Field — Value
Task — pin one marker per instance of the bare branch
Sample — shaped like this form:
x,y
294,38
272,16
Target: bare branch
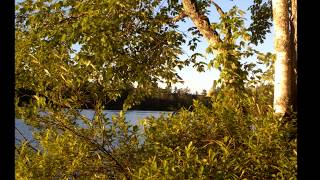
x,y
26,140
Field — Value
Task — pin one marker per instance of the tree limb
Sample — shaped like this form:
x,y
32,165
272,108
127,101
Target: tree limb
x,y
220,11
222,14
201,22
179,17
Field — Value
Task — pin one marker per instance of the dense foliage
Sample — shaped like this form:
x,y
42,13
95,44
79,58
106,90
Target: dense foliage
x,y
261,15
133,43
220,142
105,46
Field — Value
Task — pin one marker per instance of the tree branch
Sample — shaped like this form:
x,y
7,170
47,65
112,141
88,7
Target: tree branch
x,y
222,14
220,11
179,17
201,22
26,140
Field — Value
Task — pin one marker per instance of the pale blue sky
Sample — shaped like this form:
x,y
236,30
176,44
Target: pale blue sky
x,y
197,81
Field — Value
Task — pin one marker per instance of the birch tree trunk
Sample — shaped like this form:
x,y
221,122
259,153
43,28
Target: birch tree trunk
x,y
284,62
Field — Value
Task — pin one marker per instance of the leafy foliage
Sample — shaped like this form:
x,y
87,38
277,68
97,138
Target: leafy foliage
x,y
120,43
229,52
261,15
97,148
219,143
132,43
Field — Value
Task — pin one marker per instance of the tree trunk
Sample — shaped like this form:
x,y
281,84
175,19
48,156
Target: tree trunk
x,y
284,62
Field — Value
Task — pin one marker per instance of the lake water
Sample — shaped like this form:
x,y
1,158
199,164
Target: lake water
x,y
132,116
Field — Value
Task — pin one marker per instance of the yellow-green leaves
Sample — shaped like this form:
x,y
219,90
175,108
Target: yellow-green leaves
x,y
63,38
118,43
217,142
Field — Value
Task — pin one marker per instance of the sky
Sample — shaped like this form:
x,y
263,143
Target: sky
x,y
197,81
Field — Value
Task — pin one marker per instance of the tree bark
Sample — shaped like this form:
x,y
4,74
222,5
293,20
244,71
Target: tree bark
x,y
201,22
284,62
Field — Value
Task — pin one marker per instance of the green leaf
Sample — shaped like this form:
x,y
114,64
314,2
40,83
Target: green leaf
x,y
63,38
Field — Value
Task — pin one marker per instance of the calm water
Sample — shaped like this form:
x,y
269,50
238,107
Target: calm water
x,y
132,116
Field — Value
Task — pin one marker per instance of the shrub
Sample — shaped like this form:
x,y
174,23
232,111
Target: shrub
x,y
236,138
219,143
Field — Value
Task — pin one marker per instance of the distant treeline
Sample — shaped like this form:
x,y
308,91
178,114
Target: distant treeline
x,y
165,100
161,100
